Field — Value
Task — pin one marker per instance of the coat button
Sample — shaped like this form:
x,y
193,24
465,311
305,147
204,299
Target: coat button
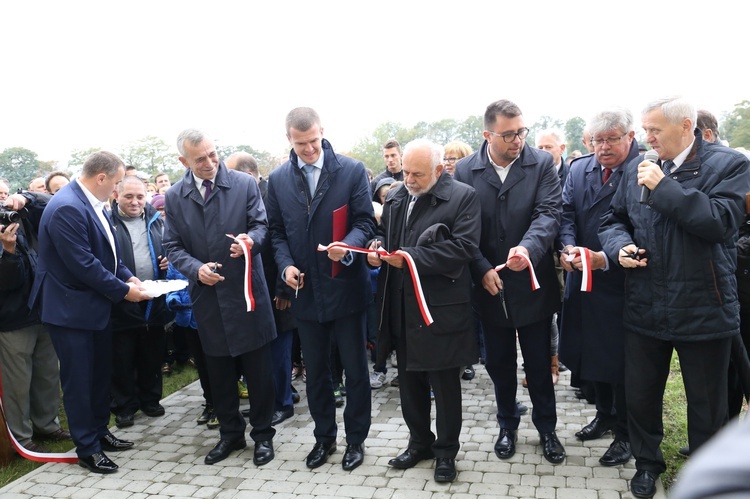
x,y
502,198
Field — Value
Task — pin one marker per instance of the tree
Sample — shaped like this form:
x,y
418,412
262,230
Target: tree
x,y
19,166
78,157
736,126
574,133
266,161
544,123
151,155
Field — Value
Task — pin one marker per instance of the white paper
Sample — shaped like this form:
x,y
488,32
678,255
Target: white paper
x,y
162,287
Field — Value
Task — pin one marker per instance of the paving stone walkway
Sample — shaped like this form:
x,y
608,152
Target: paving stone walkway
x,y
167,461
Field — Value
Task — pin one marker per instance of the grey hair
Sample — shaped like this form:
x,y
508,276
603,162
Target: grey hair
x,y
302,119
191,135
675,109
436,151
130,179
102,162
555,133
604,121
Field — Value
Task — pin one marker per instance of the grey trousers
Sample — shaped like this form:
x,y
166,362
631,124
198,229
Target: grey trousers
x,y
31,382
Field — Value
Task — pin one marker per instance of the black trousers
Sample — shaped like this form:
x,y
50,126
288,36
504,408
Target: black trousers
x,y
136,368
350,336
736,393
704,366
611,405
222,372
502,366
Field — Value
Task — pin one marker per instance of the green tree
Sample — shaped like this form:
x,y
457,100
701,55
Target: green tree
x,y
266,161
544,123
574,133
19,166
78,157
736,126
151,155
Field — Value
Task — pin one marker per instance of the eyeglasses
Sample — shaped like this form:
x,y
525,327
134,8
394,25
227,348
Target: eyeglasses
x,y
511,136
612,141
452,159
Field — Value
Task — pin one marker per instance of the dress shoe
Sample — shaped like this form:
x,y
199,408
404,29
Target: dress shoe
x,y
295,396
223,448
595,429
124,420
263,453
353,456
153,411
684,451
445,469
643,484
98,463
617,454
208,412
319,455
469,373
58,435
552,449
505,446
522,409
111,443
409,458
281,416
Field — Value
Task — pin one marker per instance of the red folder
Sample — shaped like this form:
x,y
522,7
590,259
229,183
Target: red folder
x,y
339,233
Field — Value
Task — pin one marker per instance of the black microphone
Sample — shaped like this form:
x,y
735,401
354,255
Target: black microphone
x,y
653,157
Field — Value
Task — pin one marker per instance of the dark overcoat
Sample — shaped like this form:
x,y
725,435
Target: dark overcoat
x,y
195,234
524,210
441,236
591,340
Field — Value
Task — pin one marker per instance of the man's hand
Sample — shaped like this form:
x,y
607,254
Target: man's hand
x,y
236,249
282,303
15,202
135,293
8,237
294,278
649,174
163,262
517,264
566,252
208,274
576,263
336,253
492,282
373,258
394,260
624,256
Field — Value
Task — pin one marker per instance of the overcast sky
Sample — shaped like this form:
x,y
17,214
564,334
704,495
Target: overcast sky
x,y
80,74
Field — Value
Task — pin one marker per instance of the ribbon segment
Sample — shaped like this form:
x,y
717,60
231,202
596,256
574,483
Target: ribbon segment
x,y
532,274
587,279
247,286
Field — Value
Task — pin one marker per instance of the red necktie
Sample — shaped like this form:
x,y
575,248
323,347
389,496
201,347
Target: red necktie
x,y
606,174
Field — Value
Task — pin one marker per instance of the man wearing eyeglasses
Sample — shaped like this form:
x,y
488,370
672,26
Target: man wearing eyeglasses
x,y
520,197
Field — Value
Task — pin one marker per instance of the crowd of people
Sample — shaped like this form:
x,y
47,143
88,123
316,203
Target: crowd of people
x,y
603,264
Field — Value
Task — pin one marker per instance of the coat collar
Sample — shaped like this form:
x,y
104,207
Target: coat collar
x,y
330,161
189,189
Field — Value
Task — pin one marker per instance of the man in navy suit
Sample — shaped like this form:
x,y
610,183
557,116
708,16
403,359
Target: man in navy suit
x,y
79,278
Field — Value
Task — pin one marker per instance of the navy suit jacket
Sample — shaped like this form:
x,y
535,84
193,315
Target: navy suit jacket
x,y
77,279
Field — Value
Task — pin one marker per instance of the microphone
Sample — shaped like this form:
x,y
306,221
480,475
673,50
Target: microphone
x,y
653,157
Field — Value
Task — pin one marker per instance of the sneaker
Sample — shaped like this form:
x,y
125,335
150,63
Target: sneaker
x,y
213,423
468,373
394,363
377,379
338,397
242,389
394,381
206,415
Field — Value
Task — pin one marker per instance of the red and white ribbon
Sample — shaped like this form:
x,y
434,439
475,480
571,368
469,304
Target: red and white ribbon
x,y
40,457
587,281
532,274
247,285
421,300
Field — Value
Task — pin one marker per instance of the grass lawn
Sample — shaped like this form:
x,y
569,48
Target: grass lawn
x,y
181,376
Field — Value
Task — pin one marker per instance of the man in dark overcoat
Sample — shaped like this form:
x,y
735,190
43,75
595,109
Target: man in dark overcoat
x,y
520,195
436,221
207,204
592,332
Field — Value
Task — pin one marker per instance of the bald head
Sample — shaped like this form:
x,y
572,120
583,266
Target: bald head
x,y
242,162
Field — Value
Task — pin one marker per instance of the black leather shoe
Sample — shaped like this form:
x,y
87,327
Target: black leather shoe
x,y
409,458
206,415
445,469
111,443
643,484
595,429
353,457
223,448
98,463
153,411
617,454
469,373
505,446
553,450
295,396
684,451
522,409
281,416
263,453
319,455
124,420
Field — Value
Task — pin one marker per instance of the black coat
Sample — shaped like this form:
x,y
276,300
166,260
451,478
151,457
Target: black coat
x,y
591,339
441,236
688,290
522,211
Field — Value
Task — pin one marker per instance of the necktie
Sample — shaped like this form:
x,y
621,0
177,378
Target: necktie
x,y
606,174
310,176
667,167
207,185
411,206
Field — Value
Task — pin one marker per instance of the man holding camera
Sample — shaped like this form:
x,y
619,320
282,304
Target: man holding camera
x,y
30,374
